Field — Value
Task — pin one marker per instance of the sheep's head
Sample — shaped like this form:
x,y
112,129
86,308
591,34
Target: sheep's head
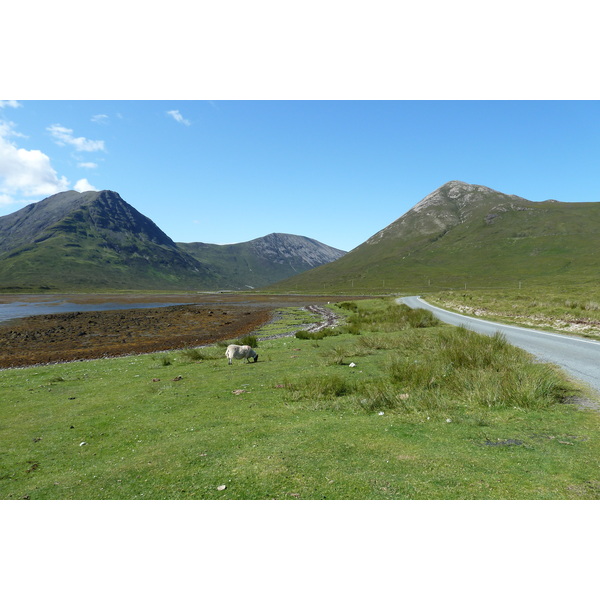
x,y
255,357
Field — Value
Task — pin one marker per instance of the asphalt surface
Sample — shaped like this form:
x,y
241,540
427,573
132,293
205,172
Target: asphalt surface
x,y
579,357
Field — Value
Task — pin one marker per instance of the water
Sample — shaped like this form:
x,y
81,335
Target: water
x,y
18,310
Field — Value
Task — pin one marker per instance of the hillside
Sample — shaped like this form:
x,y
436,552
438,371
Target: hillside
x,y
264,260
92,240
468,235
96,240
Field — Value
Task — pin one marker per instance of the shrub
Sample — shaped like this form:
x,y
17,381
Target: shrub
x,y
304,335
352,306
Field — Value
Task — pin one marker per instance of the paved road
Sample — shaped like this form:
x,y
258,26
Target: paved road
x,y
577,356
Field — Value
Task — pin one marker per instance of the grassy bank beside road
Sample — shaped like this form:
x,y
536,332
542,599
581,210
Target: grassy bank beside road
x,y
425,412
573,310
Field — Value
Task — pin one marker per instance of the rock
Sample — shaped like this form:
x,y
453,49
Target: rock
x,y
222,487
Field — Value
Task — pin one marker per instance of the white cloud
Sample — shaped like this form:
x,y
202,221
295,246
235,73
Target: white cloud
x,y
103,119
25,172
87,165
83,185
9,103
178,117
64,135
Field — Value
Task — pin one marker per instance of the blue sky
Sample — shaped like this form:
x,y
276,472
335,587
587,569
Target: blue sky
x,y
337,171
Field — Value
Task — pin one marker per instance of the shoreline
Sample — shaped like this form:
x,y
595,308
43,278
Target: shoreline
x,y
74,336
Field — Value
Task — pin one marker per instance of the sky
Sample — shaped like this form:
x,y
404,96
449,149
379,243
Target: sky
x,y
228,171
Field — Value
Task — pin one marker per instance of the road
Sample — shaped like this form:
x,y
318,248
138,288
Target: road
x,y
579,357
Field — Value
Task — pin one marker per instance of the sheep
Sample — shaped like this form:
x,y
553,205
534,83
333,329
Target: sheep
x,y
235,351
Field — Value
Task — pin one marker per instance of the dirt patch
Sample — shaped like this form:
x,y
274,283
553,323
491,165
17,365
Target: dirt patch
x,y
100,334
328,318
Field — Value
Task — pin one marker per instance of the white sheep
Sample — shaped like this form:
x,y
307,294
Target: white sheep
x,y
235,351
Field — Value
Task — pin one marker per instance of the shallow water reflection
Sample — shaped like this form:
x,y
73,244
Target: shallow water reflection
x,y
18,310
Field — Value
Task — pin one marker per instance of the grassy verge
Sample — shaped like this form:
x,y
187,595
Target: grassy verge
x,y
401,408
572,310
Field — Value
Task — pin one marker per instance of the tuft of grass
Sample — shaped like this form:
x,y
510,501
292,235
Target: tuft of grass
x,y
464,349
316,335
201,354
421,373
323,387
248,340
378,342
338,355
380,396
164,359
194,354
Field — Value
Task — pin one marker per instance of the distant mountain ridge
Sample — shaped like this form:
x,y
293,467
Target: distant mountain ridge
x,y
463,234
264,260
96,240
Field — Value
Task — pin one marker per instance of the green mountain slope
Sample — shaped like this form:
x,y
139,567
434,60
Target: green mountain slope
x,y
464,234
264,260
92,240
95,240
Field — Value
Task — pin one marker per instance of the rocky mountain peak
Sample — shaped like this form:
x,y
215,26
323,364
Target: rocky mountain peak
x,y
459,194
448,206
286,248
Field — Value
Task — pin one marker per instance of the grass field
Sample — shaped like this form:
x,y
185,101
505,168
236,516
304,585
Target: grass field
x,y
426,412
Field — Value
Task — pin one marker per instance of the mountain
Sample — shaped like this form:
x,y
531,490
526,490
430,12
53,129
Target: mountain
x,y
92,240
469,235
264,260
95,240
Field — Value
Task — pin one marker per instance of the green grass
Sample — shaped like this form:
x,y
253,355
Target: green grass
x,y
573,309
425,413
